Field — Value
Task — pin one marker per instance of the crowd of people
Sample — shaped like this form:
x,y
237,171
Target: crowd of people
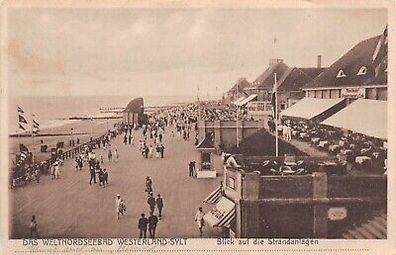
x,y
359,151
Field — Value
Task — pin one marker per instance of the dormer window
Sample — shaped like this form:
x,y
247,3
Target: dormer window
x,y
362,70
341,74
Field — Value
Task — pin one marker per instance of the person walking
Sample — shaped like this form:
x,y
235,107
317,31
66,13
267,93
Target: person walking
x,y
56,170
106,176
151,202
199,220
116,155
101,178
149,185
120,206
33,227
110,155
92,172
129,138
162,149
160,205
142,226
152,224
190,169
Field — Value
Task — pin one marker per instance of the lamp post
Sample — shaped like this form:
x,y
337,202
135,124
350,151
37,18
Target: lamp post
x,y
72,138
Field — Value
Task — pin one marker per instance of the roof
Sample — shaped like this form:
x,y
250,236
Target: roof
x,y
312,71
136,105
246,100
309,108
207,143
289,78
293,79
266,79
364,116
241,84
360,55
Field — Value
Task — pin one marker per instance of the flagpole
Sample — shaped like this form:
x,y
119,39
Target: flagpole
x,y
32,139
276,116
237,118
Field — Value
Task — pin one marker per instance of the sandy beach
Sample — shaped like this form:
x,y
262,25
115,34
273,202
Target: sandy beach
x,y
87,129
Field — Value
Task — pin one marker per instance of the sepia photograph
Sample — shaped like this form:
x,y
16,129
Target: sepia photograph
x,y
195,123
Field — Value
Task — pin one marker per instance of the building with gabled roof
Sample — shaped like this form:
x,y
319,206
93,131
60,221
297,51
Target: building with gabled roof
x,y
237,91
290,80
360,73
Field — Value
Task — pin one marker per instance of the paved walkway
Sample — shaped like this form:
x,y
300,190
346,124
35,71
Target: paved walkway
x,y
70,207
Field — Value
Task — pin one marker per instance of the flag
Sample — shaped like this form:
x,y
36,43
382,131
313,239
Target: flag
x,y
36,127
22,119
22,127
20,110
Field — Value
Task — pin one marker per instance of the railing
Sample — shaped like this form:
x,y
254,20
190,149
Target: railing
x,y
45,165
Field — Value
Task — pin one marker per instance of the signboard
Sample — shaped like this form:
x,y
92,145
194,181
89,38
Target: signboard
x,y
231,182
337,213
222,208
353,93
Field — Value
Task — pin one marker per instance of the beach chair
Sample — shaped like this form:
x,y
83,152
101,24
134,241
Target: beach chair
x,y
300,171
286,170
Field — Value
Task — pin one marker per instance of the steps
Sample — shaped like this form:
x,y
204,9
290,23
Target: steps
x,y
374,228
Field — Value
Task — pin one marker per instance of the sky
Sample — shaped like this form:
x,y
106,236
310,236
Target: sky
x,y
152,52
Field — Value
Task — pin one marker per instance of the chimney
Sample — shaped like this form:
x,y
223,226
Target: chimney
x,y
274,61
319,61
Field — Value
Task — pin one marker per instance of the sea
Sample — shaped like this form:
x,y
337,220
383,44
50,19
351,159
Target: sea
x,y
54,111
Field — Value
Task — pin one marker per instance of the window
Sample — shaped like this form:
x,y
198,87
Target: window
x,y
282,106
362,70
341,74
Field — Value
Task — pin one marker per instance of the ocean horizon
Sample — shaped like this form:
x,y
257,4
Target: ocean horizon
x,y
53,111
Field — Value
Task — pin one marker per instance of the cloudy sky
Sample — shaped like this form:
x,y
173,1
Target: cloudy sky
x,y
171,51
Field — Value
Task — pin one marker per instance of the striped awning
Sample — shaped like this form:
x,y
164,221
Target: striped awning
x,y
213,197
222,214
227,219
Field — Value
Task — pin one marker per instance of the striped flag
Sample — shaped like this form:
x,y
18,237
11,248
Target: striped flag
x,y
20,110
21,119
36,127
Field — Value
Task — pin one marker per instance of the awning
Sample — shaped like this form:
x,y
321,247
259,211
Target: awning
x,y
364,116
206,143
222,214
236,102
246,100
213,197
309,108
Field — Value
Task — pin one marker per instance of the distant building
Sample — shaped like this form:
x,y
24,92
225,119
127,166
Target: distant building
x,y
133,112
289,80
360,73
237,91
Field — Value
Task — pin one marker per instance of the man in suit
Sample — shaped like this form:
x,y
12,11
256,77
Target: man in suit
x,y
190,169
160,205
92,172
142,226
151,202
152,223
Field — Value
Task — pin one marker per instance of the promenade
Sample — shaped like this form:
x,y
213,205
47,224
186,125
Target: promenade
x,y
69,207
